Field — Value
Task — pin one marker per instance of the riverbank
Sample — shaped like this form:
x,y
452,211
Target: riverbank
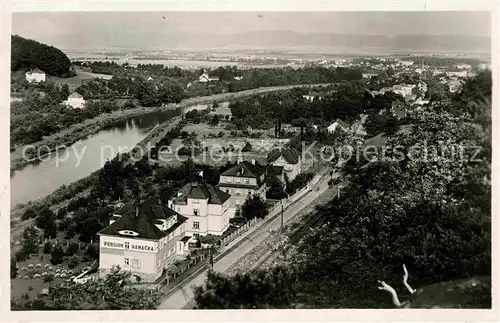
x,y
89,127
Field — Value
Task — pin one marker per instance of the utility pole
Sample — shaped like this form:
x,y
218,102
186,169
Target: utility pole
x,y
282,211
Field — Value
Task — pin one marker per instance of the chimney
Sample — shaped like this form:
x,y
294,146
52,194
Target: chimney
x,y
159,201
137,211
253,161
240,159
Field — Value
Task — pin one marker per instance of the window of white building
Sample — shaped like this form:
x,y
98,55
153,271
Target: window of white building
x,y
196,225
127,245
136,263
196,212
127,262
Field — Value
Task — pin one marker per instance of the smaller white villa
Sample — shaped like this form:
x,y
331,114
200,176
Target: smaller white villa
x,y
205,78
35,76
75,100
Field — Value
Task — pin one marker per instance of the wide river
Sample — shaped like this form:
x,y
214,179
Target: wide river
x,y
84,157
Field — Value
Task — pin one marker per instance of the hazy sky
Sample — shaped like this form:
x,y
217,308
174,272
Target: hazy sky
x,y
92,29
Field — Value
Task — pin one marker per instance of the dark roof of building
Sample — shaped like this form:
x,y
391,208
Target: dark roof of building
x,y
201,191
245,169
142,219
291,155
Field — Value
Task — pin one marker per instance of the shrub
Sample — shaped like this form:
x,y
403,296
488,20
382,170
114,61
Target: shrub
x,y
73,261
47,248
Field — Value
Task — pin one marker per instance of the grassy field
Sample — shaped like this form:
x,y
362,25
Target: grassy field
x,y
75,81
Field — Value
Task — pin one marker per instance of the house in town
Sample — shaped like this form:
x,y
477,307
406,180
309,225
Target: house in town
x,y
407,63
368,75
205,78
75,100
338,124
243,180
144,238
35,76
150,79
461,73
463,66
405,90
286,162
238,78
207,209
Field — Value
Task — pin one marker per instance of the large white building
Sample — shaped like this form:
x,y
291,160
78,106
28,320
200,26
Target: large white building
x,y
75,100
338,124
34,76
207,209
243,180
143,238
285,161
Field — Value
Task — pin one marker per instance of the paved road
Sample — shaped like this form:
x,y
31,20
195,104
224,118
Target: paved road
x,y
184,296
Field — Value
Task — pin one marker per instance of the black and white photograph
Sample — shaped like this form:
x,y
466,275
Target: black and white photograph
x,y
250,160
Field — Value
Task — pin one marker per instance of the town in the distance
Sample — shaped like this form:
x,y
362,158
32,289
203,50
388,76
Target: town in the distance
x,y
248,179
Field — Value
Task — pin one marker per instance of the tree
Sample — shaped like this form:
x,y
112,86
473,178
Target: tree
x,y
13,268
391,126
30,241
247,147
71,249
57,255
47,248
273,288
276,190
73,261
254,207
215,120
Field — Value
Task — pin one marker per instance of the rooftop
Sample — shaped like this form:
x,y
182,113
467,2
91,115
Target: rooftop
x,y
245,169
201,191
142,219
291,155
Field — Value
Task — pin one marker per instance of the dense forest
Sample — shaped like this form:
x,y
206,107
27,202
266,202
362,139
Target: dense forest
x,y
28,54
431,213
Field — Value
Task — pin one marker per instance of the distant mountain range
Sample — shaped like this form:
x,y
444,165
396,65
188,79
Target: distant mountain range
x,y
294,40
286,40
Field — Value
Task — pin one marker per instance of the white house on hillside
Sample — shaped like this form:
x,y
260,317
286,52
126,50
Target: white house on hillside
x,y
35,76
338,124
75,100
207,209
204,78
